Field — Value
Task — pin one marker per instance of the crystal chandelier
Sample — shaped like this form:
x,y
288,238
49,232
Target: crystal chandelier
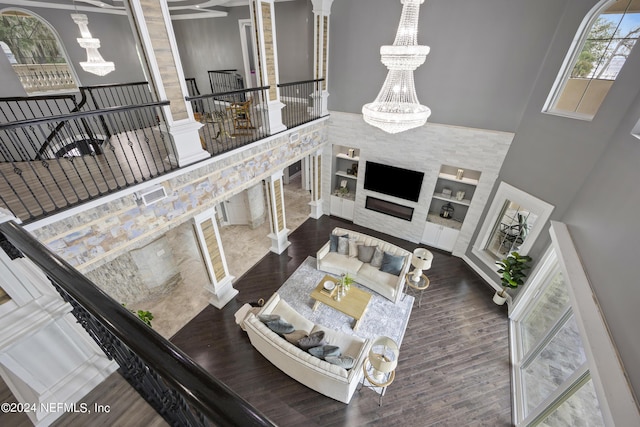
x,y
396,108
95,63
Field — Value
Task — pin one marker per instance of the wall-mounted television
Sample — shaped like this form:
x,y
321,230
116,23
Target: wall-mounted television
x,y
393,181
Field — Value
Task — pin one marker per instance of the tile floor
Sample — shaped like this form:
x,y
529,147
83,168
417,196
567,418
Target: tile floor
x,y
243,248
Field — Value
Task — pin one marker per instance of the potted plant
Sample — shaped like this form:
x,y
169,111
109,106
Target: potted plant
x,y
511,270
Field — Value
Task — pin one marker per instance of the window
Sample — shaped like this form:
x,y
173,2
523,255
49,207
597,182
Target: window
x,y
35,53
514,221
597,55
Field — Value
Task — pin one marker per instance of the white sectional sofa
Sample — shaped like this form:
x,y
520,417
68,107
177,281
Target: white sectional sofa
x,y
331,380
386,284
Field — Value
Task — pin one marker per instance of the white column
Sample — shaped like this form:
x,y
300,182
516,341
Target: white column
x,y
208,237
321,13
275,195
153,25
263,18
46,357
315,174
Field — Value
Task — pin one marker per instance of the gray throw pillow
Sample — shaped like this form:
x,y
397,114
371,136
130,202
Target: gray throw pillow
x,y
295,336
365,253
343,245
324,351
345,362
376,260
266,318
392,264
313,340
333,242
281,327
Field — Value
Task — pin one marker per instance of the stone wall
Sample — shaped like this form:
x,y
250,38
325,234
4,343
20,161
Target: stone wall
x,y
423,149
103,232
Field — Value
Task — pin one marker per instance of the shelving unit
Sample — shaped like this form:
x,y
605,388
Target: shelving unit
x,y
343,205
443,232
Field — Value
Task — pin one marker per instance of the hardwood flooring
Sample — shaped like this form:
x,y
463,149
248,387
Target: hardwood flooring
x,y
453,368
454,359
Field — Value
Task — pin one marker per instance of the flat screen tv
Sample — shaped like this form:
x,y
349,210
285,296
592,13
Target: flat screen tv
x,y
393,181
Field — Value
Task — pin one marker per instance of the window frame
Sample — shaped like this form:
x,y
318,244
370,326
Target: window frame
x,y
569,62
63,52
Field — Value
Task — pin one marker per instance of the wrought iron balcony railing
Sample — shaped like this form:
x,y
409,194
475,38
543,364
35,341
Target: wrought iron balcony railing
x,y
302,100
179,389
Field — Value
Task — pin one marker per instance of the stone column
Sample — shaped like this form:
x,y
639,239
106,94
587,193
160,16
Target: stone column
x,y
315,174
275,196
208,237
264,24
321,12
46,357
153,25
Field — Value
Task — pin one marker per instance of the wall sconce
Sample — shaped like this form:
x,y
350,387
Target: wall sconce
x,y
95,64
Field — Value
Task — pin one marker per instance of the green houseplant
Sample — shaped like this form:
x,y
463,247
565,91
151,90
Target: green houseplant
x,y
512,274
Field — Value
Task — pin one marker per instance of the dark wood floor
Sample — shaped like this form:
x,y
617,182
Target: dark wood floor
x,y
454,359
453,368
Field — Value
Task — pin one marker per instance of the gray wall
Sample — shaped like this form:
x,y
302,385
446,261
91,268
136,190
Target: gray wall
x,y
492,66
116,40
214,44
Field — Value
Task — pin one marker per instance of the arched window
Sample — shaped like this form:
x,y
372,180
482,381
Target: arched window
x,y
597,55
35,53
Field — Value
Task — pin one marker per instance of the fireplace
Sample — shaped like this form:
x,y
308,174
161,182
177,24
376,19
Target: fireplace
x,y
389,208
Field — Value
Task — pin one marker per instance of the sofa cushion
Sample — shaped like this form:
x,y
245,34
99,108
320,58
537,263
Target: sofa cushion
x,y
281,326
376,260
315,339
350,345
343,245
340,264
376,279
295,336
296,319
392,263
345,362
333,242
324,351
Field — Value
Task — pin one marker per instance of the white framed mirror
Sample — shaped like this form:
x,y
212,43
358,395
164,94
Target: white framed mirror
x,y
513,223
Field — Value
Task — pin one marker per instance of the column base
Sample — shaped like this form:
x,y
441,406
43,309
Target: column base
x,y
323,99
185,140
279,242
275,116
222,292
316,209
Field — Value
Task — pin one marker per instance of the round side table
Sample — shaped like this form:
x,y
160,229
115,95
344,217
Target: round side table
x,y
414,287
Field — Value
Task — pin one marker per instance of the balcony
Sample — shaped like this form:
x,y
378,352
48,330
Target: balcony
x,y
57,152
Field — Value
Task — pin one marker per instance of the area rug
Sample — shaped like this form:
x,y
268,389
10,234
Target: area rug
x,y
382,317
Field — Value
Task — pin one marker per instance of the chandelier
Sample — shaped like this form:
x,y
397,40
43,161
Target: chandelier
x,y
95,64
396,108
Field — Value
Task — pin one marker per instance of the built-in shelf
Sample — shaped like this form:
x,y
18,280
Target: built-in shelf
x,y
346,157
463,180
346,175
440,196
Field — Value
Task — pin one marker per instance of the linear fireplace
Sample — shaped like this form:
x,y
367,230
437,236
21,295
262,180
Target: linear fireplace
x,y
389,208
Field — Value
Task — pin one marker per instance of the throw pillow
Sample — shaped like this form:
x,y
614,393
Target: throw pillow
x,y
343,245
392,263
353,247
281,327
376,260
295,336
266,318
333,242
345,362
365,253
313,340
324,351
